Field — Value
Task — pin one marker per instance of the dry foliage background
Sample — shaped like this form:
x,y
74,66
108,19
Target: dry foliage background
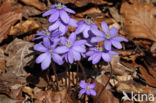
x,y
22,81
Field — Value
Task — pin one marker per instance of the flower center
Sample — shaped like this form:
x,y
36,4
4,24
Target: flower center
x,y
50,51
59,6
108,36
48,33
100,49
88,88
88,21
68,44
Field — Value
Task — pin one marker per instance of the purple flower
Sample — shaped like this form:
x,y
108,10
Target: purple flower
x,y
95,54
60,19
85,27
46,34
75,48
87,88
59,11
49,51
108,36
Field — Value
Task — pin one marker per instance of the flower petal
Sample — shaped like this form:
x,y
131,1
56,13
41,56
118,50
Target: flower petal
x,y
88,92
116,44
79,49
97,39
105,27
97,32
72,37
80,42
46,42
61,49
106,57
86,32
46,62
39,47
54,17
64,17
73,22
57,58
49,12
37,38
82,84
54,26
76,55
69,10
53,6
97,58
92,92
80,28
90,58
41,33
89,53
107,44
119,39
113,31
62,27
70,57
93,85
113,53
82,91
41,57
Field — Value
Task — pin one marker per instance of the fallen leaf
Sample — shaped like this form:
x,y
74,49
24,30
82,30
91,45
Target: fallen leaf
x,y
28,11
148,73
6,99
18,56
2,61
53,97
129,87
35,3
140,20
24,27
118,68
153,49
81,3
7,17
11,85
106,96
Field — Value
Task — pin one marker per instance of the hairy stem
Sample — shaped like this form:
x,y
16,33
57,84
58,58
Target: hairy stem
x,y
97,98
83,71
69,67
54,70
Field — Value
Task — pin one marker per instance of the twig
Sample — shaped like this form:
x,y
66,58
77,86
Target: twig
x,y
97,98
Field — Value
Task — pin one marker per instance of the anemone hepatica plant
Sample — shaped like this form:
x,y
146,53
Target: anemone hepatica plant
x,y
56,47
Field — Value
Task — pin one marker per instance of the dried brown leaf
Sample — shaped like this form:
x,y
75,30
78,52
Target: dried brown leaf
x,y
28,11
2,61
149,75
35,3
7,17
18,56
53,97
81,3
140,20
106,96
24,27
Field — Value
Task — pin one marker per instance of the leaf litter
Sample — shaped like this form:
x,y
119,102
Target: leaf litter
x,y
133,70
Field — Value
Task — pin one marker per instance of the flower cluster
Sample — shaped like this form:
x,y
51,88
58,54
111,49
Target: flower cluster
x,y
57,47
87,41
